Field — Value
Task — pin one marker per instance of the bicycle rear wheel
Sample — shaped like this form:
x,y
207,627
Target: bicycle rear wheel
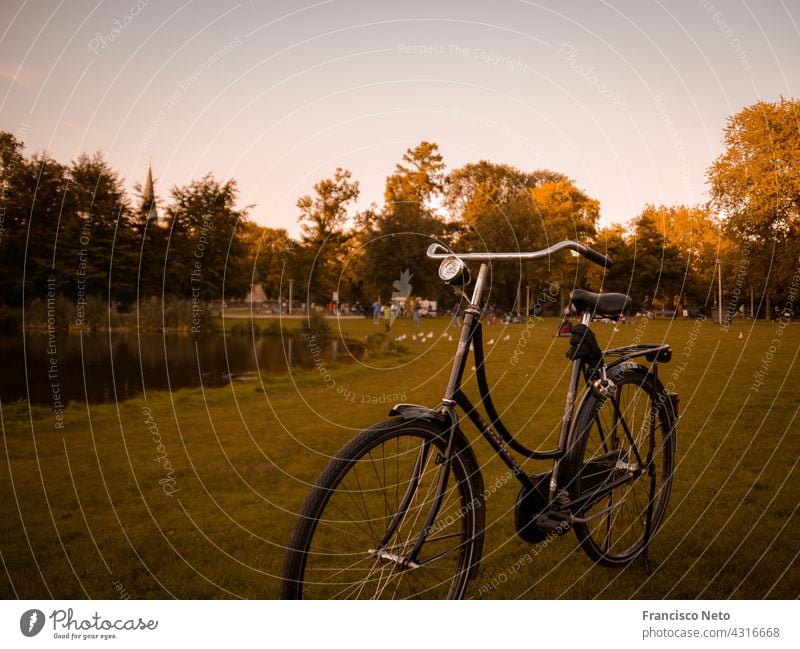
x,y
623,497
350,542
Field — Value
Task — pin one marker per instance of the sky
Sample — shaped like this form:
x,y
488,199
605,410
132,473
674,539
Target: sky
x,y
627,98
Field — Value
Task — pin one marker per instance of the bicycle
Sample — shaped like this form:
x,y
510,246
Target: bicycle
x,y
400,510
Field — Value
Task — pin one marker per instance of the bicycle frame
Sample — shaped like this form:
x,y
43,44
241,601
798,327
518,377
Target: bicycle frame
x,y
495,431
471,336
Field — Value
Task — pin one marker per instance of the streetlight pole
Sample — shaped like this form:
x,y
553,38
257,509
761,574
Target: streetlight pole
x,y
719,266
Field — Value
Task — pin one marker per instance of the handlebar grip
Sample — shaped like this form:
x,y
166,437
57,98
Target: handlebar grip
x,y
436,250
596,257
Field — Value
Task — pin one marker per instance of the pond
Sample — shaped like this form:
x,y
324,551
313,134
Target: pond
x,y
98,368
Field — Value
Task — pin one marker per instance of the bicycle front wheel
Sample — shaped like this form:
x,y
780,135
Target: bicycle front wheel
x,y
622,456
359,527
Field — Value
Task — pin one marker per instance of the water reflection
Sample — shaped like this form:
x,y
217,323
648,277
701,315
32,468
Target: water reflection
x,y
102,368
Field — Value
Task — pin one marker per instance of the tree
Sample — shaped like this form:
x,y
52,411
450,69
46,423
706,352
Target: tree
x,y
324,239
615,243
658,271
98,245
40,191
755,185
14,208
400,234
206,256
271,258
666,252
503,208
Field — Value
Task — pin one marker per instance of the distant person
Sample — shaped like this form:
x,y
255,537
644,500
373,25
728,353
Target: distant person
x,y
387,318
376,313
646,311
417,309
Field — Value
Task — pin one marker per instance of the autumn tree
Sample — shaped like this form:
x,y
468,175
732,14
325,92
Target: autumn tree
x,y
614,242
271,260
667,257
755,186
505,209
400,234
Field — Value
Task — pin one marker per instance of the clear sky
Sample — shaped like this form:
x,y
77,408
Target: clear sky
x,y
628,98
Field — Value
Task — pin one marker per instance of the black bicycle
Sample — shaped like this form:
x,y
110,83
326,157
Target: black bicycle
x,y
399,511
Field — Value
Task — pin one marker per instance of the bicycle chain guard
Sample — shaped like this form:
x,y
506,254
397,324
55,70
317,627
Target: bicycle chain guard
x,y
531,513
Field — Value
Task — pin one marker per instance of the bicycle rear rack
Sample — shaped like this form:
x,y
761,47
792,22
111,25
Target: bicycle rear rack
x,y
661,353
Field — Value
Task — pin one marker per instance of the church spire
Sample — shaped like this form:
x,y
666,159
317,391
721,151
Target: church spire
x,y
149,209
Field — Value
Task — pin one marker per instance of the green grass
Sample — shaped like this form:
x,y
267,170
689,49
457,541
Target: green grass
x,y
82,506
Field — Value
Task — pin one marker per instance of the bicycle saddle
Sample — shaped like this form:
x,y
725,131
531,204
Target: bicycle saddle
x,y
606,304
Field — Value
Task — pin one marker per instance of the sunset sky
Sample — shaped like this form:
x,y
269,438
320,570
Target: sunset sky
x,y
628,99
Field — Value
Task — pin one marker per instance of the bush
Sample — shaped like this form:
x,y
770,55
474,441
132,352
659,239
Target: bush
x,y
38,314
95,312
316,324
174,313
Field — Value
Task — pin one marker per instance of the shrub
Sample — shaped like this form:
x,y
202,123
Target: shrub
x,y
317,324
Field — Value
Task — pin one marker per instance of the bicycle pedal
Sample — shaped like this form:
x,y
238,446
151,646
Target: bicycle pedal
x,y
551,526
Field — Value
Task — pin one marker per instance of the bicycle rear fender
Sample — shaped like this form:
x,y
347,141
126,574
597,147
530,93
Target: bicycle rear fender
x,y
461,446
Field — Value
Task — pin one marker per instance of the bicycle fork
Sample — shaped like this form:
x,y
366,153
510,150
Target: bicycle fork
x,y
444,462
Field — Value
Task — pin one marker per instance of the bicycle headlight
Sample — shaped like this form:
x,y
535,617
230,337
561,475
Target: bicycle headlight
x,y
452,268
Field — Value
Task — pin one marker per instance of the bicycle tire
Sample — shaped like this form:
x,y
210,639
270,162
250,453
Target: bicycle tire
x,y
601,453
353,502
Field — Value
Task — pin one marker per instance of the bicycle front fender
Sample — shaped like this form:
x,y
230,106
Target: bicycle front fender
x,y
445,421
410,411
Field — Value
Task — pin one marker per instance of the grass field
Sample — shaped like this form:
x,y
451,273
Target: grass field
x,y
192,494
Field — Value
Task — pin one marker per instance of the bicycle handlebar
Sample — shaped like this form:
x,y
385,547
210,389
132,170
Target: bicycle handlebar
x,y
438,251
